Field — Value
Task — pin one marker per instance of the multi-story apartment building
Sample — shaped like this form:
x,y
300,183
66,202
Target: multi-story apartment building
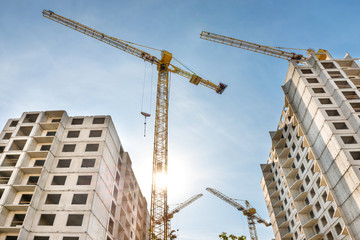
x,y
311,178
67,178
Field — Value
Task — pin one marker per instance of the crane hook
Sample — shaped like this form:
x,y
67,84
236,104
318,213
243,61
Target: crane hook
x,y
145,115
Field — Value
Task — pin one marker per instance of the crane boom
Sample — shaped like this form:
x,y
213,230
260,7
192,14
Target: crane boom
x,y
251,46
159,223
184,204
248,211
125,46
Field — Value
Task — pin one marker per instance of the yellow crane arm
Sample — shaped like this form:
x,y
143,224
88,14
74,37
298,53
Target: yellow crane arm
x,y
125,46
184,204
251,46
100,36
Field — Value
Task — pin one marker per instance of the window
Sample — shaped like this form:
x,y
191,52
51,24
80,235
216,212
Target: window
x,y
84,180
51,133
32,180
338,229
311,213
10,160
58,180
111,226
113,208
302,168
340,125
318,182
91,147
328,65
30,118
39,163
41,238
117,178
11,238
330,236
115,193
355,155
331,211
69,148
297,157
95,133
335,74
342,84
79,199
307,180
45,147
355,106
306,71
312,193
323,221
99,121
70,238
348,139
88,162
2,148
53,199
55,120
46,220
350,95
317,206
24,131
14,123
332,113
5,177
73,134
7,136
18,145
325,101
324,196
318,90
77,121
25,199
74,220
317,229
63,163
312,80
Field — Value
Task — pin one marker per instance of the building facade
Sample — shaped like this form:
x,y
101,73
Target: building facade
x,y
67,178
311,178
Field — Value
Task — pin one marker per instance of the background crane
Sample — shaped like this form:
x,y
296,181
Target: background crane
x,y
271,51
159,207
177,209
248,211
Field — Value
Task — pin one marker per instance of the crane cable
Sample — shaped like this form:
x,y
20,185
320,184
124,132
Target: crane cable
x,y
145,114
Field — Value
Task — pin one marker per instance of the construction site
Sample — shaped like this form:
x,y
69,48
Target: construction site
x,y
137,121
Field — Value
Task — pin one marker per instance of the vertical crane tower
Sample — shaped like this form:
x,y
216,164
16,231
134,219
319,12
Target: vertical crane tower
x,y
159,223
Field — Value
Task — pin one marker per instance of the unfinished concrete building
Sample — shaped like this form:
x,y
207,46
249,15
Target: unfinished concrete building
x,y
67,178
311,178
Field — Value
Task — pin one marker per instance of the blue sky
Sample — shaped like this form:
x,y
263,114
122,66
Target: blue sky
x,y
215,140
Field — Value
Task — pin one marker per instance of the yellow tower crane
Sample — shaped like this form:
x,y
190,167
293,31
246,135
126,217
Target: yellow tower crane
x,y
158,210
248,211
271,51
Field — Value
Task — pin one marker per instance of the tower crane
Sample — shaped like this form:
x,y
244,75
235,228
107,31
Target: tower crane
x,y
271,51
159,208
248,211
177,209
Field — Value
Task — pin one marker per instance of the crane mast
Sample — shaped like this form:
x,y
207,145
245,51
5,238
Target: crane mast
x,y
248,211
159,224
271,51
